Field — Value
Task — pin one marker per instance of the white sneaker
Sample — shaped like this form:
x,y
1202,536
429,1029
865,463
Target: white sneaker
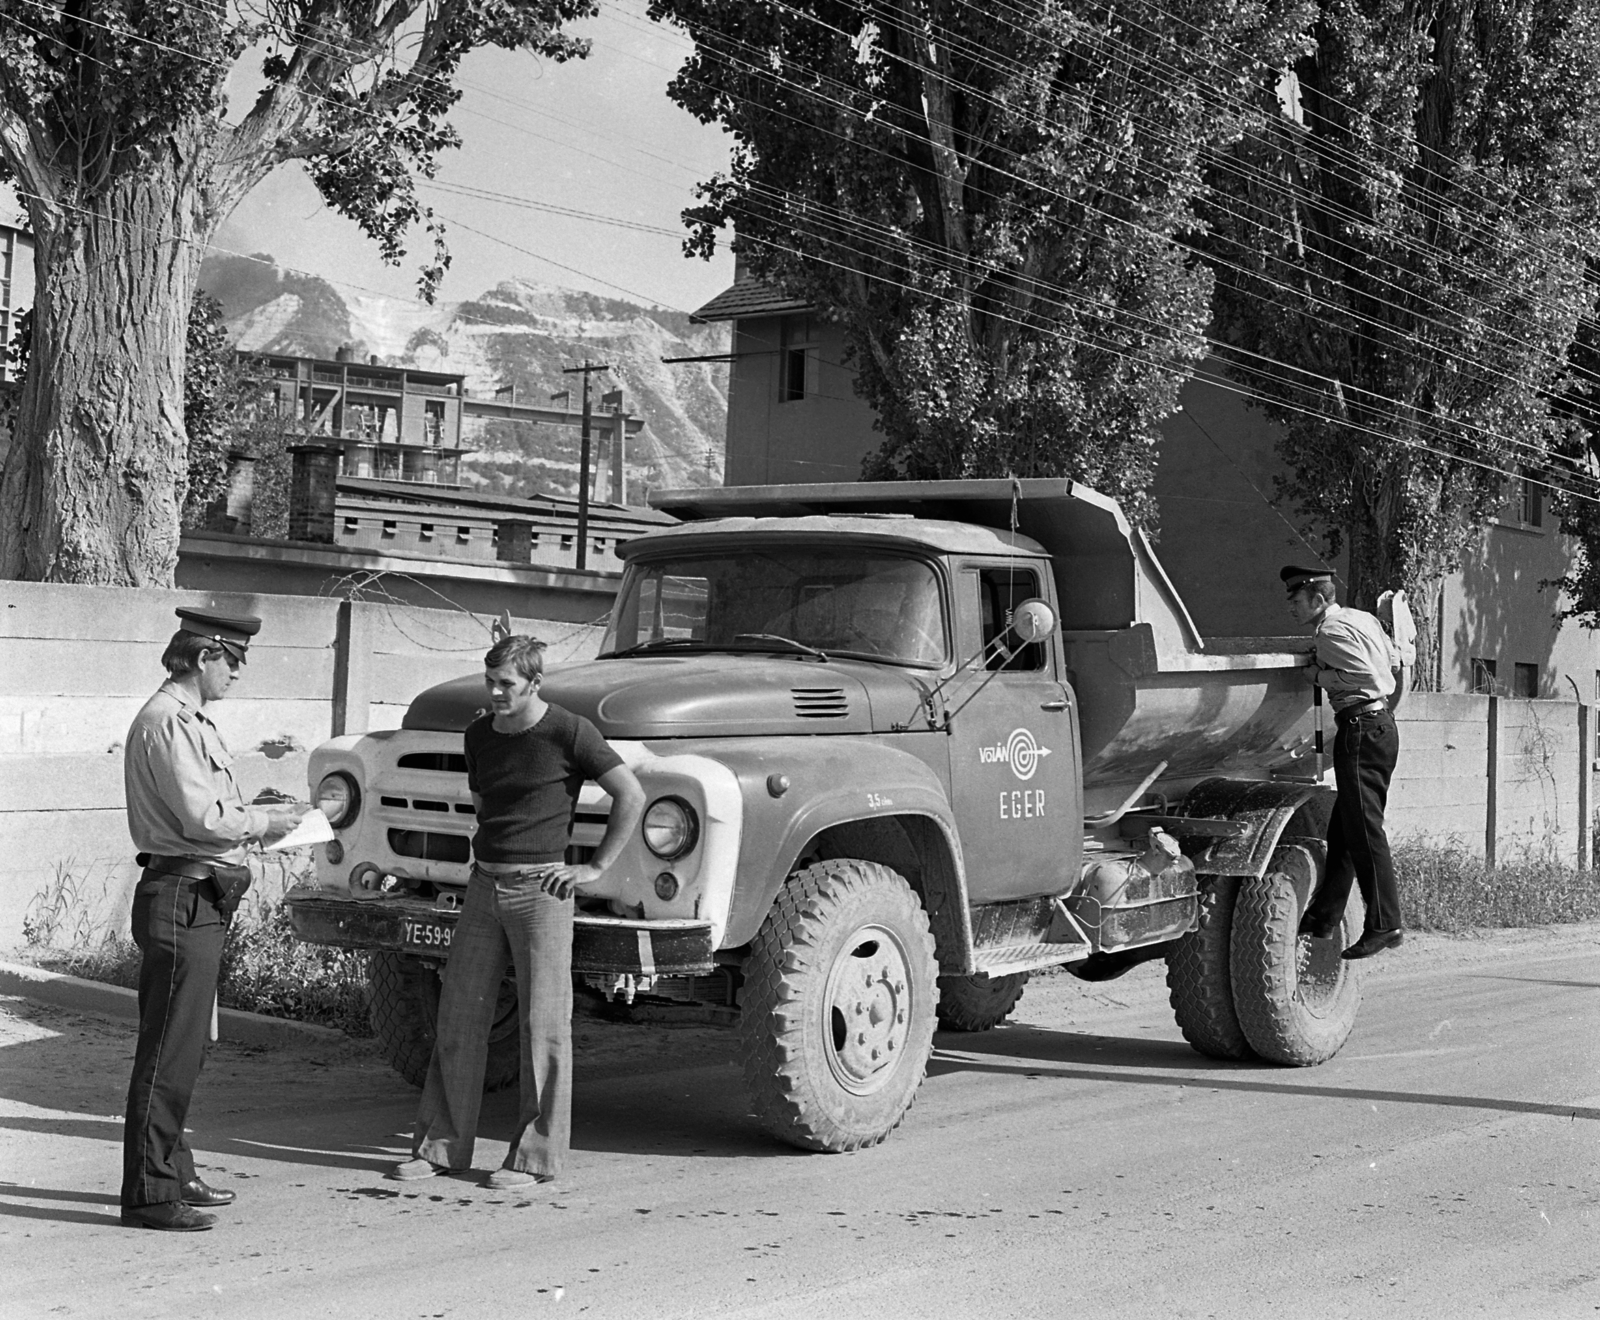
x,y
506,1180
415,1170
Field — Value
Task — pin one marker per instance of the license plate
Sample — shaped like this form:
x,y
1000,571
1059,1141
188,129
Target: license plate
x,y
418,934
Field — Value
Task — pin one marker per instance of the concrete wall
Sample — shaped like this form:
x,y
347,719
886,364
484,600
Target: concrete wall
x,y
1502,778
76,663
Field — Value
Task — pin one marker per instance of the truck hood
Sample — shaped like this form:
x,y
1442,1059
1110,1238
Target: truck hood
x,y
703,696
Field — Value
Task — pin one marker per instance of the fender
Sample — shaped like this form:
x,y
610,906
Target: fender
x,y
834,782
1268,807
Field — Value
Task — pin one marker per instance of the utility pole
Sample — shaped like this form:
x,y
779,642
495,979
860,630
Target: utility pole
x,y
587,369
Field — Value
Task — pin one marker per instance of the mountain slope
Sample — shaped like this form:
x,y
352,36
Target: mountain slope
x,y
519,334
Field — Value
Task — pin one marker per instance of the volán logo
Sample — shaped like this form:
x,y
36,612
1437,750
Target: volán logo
x,y
1019,751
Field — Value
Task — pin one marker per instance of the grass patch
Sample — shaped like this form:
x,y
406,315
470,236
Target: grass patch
x,y
1448,889
264,970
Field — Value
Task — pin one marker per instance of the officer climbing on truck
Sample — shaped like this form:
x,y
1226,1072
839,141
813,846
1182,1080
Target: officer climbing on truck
x,y
901,744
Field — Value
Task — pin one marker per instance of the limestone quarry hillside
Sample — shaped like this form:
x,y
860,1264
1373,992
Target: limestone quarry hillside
x,y
520,334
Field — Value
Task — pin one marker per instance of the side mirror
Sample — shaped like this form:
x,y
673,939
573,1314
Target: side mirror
x,y
1033,620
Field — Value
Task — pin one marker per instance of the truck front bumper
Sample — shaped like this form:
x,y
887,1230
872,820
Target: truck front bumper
x,y
604,945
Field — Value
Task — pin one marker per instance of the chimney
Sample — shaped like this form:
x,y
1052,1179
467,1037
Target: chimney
x,y
344,353
372,360
312,492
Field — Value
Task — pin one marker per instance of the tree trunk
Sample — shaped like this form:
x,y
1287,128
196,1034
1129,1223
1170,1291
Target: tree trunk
x,y
94,482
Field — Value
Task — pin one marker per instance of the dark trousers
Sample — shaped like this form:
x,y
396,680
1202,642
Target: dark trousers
x,y
1365,750
179,930
504,919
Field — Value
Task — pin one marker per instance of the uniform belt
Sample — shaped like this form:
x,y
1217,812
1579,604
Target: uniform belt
x,y
1373,707
186,868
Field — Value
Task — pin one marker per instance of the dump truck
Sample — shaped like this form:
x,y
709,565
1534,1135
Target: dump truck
x,y
904,744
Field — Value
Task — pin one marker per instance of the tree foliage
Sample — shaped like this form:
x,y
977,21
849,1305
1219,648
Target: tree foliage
x,y
114,129
991,200
1400,267
211,390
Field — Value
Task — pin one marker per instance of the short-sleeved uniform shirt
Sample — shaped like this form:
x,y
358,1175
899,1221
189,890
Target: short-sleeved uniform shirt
x,y
1355,658
529,784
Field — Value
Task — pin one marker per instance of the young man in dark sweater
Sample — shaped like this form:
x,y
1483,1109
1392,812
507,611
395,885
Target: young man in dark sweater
x,y
526,761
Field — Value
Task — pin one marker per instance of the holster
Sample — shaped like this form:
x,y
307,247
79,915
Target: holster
x,y
225,885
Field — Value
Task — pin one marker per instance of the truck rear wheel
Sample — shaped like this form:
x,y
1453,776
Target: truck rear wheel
x,y
1199,982
839,994
977,1003
403,1004
1296,998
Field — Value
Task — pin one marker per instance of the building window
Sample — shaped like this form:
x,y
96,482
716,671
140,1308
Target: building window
x,y
388,527
1483,676
1532,511
351,526
566,542
794,375
425,532
433,422
1525,681
797,361
463,535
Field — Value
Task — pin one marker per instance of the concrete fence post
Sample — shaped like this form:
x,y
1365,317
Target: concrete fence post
x,y
1585,773
1491,794
352,667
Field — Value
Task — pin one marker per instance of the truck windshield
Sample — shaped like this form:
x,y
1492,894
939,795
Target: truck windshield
x,y
840,601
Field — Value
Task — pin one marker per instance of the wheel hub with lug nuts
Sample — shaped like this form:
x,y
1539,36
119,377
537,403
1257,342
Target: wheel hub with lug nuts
x,y
868,1003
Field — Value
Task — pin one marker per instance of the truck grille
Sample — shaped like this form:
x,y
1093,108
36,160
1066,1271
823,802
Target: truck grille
x,y
820,703
425,804
450,762
430,847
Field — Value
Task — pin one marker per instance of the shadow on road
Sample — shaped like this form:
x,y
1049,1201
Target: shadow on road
x,y
13,1193
1020,1050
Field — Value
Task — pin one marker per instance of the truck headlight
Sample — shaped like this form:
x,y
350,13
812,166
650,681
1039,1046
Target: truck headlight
x,y
670,828
338,798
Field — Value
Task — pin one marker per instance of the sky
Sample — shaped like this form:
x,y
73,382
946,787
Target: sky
x,y
596,135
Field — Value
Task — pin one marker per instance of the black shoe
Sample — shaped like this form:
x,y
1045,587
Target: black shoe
x,y
1314,928
195,1192
1374,941
168,1217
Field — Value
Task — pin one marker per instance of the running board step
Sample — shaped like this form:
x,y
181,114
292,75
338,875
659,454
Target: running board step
x,y
1007,959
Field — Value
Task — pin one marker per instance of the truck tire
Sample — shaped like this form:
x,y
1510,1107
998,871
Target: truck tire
x,y
977,1003
837,1020
1296,998
403,1004
1199,983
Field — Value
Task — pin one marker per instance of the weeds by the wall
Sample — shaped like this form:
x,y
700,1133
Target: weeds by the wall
x,y
1448,889
264,970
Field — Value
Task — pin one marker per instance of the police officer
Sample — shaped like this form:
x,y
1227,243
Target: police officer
x,y
1354,662
192,828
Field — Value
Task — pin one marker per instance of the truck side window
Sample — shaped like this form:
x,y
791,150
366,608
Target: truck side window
x,y
999,590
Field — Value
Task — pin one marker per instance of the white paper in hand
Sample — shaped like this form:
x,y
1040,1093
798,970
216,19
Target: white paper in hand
x,y
313,828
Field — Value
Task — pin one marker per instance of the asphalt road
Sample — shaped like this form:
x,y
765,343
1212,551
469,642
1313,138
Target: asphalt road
x,y
1081,1161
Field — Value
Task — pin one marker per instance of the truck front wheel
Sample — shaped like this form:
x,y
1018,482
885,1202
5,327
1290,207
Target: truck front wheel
x,y
1199,982
839,995
976,1003
1296,998
403,1004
